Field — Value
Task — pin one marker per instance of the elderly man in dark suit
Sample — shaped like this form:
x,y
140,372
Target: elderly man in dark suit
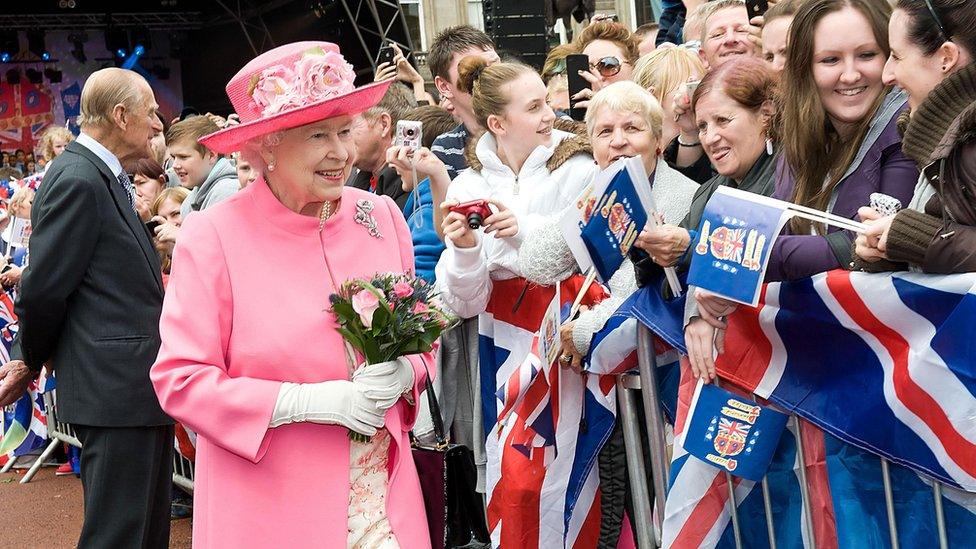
x,y
89,307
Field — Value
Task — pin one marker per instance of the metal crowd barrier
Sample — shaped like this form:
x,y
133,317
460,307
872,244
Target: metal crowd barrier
x,y
61,432
643,510
182,472
58,431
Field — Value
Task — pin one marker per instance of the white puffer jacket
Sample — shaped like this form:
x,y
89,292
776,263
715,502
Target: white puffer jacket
x,y
534,195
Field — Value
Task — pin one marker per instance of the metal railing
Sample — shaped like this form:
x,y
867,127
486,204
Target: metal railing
x,y
60,432
643,508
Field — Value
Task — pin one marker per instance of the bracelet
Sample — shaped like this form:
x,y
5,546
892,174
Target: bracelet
x,y
683,144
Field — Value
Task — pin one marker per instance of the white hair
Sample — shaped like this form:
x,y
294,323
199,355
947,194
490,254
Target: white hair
x,y
626,96
251,150
105,89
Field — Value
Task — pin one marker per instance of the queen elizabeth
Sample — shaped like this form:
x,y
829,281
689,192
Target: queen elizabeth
x,y
250,357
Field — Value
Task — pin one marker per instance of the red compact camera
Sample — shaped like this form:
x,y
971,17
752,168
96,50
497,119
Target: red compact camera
x,y
476,211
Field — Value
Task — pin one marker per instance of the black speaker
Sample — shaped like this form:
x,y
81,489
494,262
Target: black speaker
x,y
518,27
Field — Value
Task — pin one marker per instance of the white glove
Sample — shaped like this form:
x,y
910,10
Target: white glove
x,y
347,403
391,379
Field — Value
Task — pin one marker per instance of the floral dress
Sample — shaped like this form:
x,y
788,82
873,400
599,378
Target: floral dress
x,y
369,527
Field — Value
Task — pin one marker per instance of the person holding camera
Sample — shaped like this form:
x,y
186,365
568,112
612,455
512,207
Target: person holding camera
x,y
373,133
522,167
522,170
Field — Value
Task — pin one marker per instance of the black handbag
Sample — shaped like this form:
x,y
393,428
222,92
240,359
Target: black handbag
x,y
448,480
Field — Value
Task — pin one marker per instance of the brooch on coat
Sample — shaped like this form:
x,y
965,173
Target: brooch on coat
x,y
364,216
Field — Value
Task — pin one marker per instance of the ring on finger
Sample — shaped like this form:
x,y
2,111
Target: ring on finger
x,y
566,359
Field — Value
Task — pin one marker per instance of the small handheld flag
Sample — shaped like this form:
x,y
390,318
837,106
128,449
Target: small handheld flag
x,y
731,432
736,234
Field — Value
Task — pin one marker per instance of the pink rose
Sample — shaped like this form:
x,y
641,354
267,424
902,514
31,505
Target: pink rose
x,y
402,289
365,303
274,83
320,76
420,307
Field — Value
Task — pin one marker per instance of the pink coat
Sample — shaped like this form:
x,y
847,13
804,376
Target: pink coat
x,y
247,308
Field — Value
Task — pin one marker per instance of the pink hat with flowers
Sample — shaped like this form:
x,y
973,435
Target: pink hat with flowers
x,y
288,87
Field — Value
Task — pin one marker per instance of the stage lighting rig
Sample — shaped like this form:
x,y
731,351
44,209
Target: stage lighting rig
x,y
78,46
36,45
34,76
54,76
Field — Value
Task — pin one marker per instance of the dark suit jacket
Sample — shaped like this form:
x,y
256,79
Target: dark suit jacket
x,y
387,184
91,297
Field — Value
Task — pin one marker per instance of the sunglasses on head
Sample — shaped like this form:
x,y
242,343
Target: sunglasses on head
x,y
608,66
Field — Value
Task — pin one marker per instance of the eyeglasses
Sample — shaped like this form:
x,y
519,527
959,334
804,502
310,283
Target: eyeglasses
x,y
607,67
938,21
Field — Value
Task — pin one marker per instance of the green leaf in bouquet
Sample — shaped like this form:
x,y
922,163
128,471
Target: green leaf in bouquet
x,y
372,351
355,340
381,319
344,310
429,337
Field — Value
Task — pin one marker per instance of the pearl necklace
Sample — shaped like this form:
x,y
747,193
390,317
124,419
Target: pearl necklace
x,y
325,214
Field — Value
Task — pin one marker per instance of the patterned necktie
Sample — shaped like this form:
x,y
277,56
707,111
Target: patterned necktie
x,y
129,188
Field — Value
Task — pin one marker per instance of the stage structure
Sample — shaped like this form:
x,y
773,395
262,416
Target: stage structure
x,y
372,24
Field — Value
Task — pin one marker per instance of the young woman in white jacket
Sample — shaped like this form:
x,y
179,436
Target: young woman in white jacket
x,y
527,170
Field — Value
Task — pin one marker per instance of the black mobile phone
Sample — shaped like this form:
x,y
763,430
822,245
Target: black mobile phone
x,y
386,55
756,7
575,63
151,225
6,268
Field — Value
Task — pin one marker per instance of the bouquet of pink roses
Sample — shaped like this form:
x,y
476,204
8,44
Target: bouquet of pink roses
x,y
389,316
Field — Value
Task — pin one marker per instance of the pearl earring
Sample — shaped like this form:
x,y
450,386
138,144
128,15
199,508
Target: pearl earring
x,y
769,146
271,166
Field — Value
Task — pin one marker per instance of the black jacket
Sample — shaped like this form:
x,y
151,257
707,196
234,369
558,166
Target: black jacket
x,y
388,183
91,297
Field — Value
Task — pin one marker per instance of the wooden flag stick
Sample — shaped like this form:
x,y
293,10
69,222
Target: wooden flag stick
x,y
590,276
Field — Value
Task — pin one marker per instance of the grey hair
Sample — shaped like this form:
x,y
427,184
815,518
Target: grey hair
x,y
105,89
251,150
626,96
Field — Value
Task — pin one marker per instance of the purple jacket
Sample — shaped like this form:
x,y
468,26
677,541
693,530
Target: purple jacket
x,y
880,166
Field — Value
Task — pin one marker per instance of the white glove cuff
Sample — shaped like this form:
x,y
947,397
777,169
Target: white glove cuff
x,y
290,406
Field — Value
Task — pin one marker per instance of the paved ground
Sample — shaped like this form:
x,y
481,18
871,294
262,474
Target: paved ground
x,y
48,512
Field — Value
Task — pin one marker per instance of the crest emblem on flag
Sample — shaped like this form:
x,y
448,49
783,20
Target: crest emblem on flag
x,y
731,437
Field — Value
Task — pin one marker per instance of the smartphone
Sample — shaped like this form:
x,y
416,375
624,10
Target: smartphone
x,y
151,225
575,63
756,7
386,55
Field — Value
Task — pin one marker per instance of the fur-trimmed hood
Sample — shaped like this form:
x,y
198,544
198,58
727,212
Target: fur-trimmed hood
x,y
570,144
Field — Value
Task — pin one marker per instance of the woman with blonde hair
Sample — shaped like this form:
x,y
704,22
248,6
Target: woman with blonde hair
x,y
527,171
666,73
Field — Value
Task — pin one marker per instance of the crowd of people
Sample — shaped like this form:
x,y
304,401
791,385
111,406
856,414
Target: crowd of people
x,y
247,224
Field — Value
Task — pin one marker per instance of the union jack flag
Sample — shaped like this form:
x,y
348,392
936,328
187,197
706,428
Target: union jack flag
x,y
541,484
874,365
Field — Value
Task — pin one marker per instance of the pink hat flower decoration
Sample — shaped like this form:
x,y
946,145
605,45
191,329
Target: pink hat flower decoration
x,y
290,86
